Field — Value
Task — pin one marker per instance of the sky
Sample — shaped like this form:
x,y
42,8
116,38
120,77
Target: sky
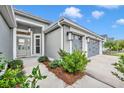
x,y
99,19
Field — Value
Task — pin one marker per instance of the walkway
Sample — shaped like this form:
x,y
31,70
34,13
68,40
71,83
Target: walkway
x,y
53,82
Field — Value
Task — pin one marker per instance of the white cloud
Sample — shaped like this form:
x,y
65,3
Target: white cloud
x,y
109,6
72,12
120,21
97,14
88,20
114,26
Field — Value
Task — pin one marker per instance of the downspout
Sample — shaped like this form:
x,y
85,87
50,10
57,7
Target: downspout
x,y
62,35
14,43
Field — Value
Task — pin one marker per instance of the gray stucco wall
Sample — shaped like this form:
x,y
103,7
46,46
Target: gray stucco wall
x,y
6,42
53,43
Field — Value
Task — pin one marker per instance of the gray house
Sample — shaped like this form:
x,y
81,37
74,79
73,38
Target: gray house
x,y
28,35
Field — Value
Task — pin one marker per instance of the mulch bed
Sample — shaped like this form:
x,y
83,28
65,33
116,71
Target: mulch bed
x,y
68,78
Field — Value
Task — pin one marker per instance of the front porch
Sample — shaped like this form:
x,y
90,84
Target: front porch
x,y
28,40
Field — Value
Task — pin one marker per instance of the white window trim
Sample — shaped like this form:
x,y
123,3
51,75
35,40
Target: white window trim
x,y
35,54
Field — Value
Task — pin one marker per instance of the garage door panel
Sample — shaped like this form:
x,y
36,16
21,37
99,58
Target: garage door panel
x,y
77,42
93,47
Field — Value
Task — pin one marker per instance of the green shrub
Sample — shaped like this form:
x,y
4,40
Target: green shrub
x,y
74,62
56,63
16,78
35,76
2,66
62,53
43,59
14,64
11,78
119,66
3,61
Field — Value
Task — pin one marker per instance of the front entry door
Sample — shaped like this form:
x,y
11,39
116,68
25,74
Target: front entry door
x,y
37,44
23,47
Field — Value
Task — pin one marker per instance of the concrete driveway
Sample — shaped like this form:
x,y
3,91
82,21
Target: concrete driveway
x,y
98,74
101,67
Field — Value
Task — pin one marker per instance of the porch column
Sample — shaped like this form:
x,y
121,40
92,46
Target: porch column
x,y
100,47
14,43
62,38
85,45
29,30
70,47
43,43
70,38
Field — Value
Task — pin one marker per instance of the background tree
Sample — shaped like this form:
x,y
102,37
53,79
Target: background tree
x,y
114,45
109,45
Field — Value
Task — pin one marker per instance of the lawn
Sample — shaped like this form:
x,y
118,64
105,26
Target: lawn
x,y
118,54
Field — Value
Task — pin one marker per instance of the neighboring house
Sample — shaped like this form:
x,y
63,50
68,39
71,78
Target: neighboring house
x,y
105,36
7,23
35,36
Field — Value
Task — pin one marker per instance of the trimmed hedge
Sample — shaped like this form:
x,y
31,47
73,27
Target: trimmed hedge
x,y
15,64
43,59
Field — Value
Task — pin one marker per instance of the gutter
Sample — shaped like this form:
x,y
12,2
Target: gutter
x,y
62,35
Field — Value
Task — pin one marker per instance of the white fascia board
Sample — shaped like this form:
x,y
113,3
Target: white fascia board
x,y
21,13
53,26
81,33
8,14
66,21
76,25
29,22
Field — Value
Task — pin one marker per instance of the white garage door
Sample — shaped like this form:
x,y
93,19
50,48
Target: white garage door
x,y
77,42
93,47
